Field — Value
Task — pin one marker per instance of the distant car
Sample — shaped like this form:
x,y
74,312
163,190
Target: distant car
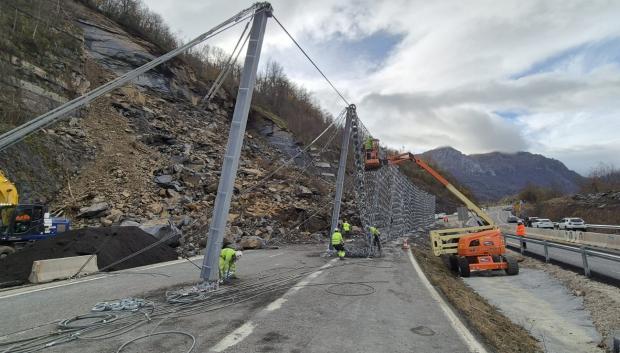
x,y
512,219
509,208
571,223
542,223
529,221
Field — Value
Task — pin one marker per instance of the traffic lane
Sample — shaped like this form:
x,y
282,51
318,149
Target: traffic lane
x,y
331,316
602,266
29,306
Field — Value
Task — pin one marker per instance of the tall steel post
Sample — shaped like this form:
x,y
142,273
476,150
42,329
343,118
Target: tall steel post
x,y
342,164
217,228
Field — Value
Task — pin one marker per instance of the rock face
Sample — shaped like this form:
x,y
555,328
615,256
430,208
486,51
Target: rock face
x,y
491,176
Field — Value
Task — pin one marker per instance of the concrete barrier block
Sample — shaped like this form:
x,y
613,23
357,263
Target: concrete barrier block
x,y
53,269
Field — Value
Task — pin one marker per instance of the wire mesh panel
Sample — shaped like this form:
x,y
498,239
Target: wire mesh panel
x,y
386,198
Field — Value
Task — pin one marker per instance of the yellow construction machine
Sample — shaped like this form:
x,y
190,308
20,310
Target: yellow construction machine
x,y
21,223
469,249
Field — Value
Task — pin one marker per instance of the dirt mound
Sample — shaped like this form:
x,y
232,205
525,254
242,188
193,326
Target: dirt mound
x,y
110,244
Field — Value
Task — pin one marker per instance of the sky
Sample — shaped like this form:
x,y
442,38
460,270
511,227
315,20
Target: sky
x,y
541,76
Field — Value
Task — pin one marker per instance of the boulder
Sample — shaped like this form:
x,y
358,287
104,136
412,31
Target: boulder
x,y
252,242
304,191
322,164
128,223
168,182
115,215
155,208
211,188
163,228
94,210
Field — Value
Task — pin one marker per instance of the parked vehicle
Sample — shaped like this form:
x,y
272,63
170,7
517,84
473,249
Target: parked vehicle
x,y
512,219
571,223
529,221
543,223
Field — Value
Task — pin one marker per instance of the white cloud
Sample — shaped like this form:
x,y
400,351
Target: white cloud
x,y
453,69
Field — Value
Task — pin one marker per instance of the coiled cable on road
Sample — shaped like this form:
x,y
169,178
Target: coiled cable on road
x,y
191,348
69,324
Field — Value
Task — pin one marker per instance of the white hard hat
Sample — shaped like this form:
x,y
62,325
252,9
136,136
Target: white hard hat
x,y
336,230
238,254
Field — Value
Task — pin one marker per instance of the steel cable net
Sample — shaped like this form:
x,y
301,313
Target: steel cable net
x,y
386,198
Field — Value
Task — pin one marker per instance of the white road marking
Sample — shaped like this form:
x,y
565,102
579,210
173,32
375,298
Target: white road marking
x,y
246,329
278,254
237,336
469,339
38,288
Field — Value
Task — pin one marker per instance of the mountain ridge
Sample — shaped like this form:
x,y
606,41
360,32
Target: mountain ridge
x,y
494,175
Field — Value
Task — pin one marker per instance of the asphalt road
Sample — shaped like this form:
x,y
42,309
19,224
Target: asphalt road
x,y
393,311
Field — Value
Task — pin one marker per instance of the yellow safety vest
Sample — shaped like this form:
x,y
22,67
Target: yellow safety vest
x,y
336,238
374,231
346,226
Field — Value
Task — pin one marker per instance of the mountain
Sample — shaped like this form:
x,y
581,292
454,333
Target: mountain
x,y
491,176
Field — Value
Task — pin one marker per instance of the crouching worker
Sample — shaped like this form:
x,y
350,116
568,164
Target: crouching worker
x,y
228,267
338,243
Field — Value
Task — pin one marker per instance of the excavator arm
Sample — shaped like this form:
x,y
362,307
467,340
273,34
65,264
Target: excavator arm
x,y
404,157
8,191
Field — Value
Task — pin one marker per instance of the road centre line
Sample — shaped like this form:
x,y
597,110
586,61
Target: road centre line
x,y
247,328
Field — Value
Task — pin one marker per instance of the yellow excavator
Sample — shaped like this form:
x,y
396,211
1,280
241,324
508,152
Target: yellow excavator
x,y
8,191
21,223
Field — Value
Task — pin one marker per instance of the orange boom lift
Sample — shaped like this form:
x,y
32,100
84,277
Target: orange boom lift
x,y
469,249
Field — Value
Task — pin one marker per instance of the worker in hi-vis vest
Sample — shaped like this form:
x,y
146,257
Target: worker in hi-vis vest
x,y
376,241
228,267
346,227
521,233
338,243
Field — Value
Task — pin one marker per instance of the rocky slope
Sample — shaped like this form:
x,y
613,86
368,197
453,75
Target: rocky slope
x,y
151,153
491,176
594,208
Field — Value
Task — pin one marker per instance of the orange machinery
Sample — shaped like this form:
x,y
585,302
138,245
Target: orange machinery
x,y
371,154
479,248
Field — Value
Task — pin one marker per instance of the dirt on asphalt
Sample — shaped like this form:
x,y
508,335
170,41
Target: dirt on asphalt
x,y
600,299
498,331
109,243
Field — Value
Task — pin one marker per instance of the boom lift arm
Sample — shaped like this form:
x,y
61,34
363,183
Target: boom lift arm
x,y
479,248
404,157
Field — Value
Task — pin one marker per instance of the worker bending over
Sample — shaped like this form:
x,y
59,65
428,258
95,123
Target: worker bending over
x,y
346,227
521,233
338,243
228,267
376,241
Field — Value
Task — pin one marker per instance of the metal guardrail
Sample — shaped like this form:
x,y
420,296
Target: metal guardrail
x,y
602,226
583,250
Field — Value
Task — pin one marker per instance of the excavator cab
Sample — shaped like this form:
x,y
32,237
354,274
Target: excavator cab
x,y
371,154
